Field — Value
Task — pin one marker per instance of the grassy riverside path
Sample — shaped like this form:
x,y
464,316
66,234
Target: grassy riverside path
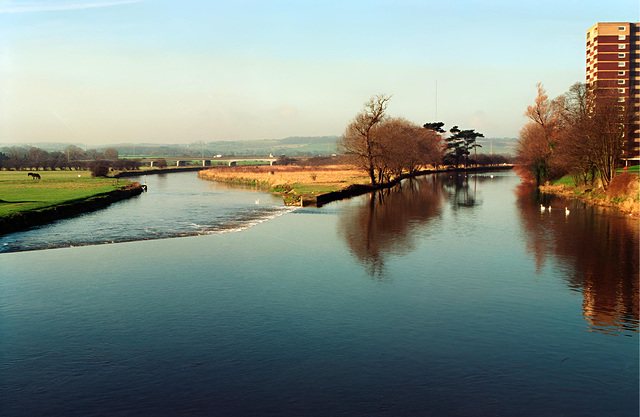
x,y
26,202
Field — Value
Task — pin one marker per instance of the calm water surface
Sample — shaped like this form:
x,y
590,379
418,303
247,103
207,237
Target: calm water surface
x,y
449,296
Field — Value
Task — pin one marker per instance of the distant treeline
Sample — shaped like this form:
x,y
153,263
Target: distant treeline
x,y
296,146
18,158
495,159
293,146
73,157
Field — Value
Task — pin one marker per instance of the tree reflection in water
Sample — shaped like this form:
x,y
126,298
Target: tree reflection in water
x,y
462,188
598,250
384,224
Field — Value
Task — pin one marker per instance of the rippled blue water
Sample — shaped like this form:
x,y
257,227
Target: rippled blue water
x,y
450,297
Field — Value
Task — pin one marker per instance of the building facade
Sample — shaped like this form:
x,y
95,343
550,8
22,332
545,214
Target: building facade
x,y
613,49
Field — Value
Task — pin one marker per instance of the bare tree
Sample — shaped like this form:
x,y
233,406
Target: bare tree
x,y
407,146
111,154
605,134
359,142
74,153
592,133
99,168
572,154
393,137
537,138
37,158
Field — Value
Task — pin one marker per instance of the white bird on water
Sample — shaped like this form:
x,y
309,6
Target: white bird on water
x,y
257,201
566,211
542,208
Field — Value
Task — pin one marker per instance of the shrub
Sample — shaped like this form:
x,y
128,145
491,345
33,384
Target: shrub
x,y
99,169
283,160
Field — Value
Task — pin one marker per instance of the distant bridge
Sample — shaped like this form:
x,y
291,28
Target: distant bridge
x,y
181,162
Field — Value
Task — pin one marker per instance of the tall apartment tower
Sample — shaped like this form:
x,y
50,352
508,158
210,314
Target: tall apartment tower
x,y
613,49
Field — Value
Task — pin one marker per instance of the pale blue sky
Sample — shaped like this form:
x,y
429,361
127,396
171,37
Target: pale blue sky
x,y
165,71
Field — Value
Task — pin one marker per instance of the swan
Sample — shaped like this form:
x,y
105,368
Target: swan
x,y
257,201
566,211
542,208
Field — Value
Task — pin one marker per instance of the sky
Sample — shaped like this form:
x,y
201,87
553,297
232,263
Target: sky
x,y
102,72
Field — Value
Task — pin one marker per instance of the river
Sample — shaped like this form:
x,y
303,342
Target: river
x,y
451,295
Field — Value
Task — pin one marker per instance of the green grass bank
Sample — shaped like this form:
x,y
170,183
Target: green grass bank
x,y
26,202
623,193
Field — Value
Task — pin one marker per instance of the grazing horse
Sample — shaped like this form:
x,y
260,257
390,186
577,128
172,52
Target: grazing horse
x,y
34,176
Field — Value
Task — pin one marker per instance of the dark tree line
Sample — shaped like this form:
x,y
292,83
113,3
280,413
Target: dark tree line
x,y
73,158
458,145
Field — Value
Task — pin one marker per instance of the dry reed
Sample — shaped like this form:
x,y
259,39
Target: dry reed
x,y
339,176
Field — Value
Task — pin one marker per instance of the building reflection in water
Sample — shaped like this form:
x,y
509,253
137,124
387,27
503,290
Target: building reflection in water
x,y
384,224
599,251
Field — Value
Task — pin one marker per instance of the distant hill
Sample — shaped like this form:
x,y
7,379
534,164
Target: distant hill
x,y
290,146
504,146
47,146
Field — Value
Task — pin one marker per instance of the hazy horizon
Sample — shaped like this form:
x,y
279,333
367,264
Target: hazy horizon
x,y
99,145
166,143
104,72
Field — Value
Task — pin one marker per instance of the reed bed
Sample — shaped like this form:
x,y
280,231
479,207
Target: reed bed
x,y
324,178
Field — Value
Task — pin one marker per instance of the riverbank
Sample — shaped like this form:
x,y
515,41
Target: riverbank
x,y
313,186
623,193
57,195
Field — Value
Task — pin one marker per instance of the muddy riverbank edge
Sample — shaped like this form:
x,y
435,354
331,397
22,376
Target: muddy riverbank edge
x,y
27,219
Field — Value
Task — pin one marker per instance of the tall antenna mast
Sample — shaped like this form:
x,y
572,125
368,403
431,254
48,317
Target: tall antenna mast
x,y
436,100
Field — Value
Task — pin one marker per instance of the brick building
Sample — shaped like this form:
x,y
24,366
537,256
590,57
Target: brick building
x,y
613,49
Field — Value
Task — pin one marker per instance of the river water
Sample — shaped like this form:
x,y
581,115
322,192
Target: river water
x,y
447,296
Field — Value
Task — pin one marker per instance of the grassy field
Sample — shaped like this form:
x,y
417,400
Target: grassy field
x,y
568,181
18,192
